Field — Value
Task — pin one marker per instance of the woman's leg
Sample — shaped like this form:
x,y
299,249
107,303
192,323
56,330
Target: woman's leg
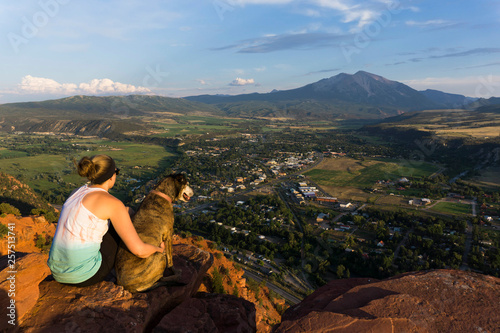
x,y
109,248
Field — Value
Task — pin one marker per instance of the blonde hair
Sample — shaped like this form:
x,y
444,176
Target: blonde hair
x,y
96,167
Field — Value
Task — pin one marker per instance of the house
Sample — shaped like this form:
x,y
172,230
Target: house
x,y
346,205
381,244
425,201
326,199
321,217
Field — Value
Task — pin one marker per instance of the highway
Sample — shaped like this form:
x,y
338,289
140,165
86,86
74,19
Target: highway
x,y
291,299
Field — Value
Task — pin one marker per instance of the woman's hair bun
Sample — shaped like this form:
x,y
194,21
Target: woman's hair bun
x,y
87,168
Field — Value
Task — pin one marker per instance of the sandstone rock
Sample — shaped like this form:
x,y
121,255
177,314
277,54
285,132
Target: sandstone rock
x,y
20,283
210,313
234,282
433,301
26,229
106,307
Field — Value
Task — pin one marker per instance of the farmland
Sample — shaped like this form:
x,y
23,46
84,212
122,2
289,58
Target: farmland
x,y
347,176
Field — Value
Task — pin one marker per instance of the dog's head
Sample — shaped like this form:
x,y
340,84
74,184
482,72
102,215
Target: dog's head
x,y
176,186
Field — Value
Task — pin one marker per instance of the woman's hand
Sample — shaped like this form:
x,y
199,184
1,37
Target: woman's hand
x,y
150,249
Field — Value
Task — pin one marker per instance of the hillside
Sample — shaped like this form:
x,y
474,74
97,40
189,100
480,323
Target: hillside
x,y
22,197
269,308
110,116
105,107
482,123
445,100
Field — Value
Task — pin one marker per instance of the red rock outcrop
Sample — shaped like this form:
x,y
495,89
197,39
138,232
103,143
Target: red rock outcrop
x,y
107,307
20,283
432,301
26,229
267,314
210,313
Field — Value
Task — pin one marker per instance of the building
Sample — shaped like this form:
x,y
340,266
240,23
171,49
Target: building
x,y
321,217
326,199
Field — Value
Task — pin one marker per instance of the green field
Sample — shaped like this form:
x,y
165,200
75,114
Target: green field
x,y
349,172
198,125
451,208
46,172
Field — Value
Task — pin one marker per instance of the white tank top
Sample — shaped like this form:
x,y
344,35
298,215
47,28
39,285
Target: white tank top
x,y
74,255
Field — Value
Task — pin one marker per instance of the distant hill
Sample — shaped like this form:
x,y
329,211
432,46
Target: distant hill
x,y
109,116
492,101
446,100
77,107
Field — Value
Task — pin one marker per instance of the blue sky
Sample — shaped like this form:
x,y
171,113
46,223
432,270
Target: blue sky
x,y
56,48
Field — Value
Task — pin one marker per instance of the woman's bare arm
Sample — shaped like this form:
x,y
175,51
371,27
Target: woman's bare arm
x,y
120,218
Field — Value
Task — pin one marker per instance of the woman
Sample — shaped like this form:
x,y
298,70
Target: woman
x,y
84,248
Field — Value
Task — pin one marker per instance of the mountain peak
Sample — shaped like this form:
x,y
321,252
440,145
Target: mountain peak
x,y
363,74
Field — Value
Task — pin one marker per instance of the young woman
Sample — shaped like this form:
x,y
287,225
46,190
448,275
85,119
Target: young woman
x,y
84,246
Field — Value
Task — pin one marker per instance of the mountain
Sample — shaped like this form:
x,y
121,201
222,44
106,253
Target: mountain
x,y
104,107
360,95
446,100
109,116
484,102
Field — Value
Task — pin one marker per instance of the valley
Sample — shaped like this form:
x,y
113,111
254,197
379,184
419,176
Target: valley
x,y
295,196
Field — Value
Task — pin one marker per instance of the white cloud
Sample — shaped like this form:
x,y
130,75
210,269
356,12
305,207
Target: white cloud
x,y
241,82
44,86
361,13
429,23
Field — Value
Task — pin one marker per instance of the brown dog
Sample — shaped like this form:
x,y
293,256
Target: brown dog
x,y
154,222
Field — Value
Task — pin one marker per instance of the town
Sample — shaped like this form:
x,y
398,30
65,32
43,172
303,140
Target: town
x,y
298,208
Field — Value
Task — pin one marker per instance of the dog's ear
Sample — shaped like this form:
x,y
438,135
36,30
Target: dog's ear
x,y
180,178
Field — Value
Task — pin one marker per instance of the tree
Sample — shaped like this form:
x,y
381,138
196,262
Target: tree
x,y
5,208
217,284
340,271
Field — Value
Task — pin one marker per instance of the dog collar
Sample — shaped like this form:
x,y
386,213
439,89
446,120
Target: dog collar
x,y
163,195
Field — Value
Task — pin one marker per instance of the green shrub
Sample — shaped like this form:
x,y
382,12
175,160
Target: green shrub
x,y
6,208
43,243
3,230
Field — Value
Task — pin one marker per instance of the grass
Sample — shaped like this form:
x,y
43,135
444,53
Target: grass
x,y
198,125
44,171
364,173
489,178
452,208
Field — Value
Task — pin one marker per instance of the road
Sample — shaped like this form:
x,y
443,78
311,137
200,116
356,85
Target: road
x,y
403,241
291,299
467,247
